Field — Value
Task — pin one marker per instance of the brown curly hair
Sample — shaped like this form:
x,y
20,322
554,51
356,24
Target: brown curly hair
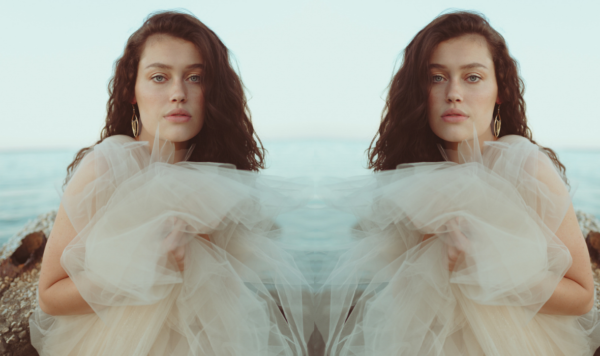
x,y
404,134
227,135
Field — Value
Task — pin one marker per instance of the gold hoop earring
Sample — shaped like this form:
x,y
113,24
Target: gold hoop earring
x,y
135,124
497,123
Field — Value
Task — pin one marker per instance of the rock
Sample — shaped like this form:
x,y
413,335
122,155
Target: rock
x,y
593,244
587,222
20,262
42,223
590,228
18,306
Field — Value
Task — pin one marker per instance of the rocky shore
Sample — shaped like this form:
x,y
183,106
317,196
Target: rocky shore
x,y
21,256
20,262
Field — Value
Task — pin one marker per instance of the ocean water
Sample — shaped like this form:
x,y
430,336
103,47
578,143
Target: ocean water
x,y
30,184
31,181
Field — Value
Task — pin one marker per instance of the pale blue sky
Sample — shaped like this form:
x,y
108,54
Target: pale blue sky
x,y
313,69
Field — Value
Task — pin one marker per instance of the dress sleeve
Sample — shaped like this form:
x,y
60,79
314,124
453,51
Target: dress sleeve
x,y
535,176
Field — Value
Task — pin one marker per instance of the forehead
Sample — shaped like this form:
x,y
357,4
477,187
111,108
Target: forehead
x,y
169,50
462,50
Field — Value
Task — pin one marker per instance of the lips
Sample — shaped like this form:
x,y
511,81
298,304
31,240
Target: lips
x,y
454,116
178,116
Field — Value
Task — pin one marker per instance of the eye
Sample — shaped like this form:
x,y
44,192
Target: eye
x,y
473,78
437,78
195,78
159,78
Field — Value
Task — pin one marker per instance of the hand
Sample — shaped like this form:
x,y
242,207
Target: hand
x,y
174,243
456,246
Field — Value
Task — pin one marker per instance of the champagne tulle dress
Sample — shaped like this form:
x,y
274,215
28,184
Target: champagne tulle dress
x,y
240,292
392,293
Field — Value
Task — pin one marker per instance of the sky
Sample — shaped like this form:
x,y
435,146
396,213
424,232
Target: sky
x,y
312,69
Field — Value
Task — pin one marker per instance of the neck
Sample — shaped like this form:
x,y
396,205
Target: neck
x,y
452,147
180,147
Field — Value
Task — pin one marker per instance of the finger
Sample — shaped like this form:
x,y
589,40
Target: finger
x,y
453,253
171,241
179,253
458,239
174,238
451,266
179,259
452,262
179,224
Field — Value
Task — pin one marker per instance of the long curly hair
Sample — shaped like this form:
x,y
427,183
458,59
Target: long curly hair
x,y
227,135
404,135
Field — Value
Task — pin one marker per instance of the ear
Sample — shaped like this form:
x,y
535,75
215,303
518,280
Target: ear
x,y
133,101
498,101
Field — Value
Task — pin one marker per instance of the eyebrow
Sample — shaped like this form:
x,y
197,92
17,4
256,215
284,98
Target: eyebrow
x,y
466,66
165,66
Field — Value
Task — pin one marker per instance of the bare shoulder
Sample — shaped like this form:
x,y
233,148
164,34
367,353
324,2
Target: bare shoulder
x,y
94,163
537,162
85,172
119,139
513,139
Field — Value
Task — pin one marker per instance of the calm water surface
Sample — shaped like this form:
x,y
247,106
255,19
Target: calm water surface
x,y
31,182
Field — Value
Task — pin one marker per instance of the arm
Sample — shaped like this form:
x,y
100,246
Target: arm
x,y
58,295
574,295
455,251
176,246
57,292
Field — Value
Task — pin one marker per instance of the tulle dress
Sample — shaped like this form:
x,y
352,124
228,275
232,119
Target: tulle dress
x,y
392,293
240,292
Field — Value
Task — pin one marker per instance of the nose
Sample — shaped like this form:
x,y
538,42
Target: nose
x,y
178,92
454,92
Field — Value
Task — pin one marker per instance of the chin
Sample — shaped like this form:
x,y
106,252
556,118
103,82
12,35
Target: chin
x,y
179,134
454,133
177,138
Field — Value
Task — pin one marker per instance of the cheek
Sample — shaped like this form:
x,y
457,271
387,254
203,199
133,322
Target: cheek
x,y
146,94
149,101
197,105
485,96
198,97
485,100
436,100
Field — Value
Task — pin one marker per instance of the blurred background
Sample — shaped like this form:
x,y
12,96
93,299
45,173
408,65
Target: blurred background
x,y
316,73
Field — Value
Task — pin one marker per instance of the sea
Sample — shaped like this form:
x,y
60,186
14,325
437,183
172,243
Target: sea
x,y
31,182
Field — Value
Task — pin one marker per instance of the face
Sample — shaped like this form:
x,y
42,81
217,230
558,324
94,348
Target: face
x,y
168,89
463,90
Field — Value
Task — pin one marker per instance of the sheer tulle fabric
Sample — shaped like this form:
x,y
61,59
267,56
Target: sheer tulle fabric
x,y
123,203
392,293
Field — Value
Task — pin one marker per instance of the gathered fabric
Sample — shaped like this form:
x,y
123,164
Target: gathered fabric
x,y
391,292
240,292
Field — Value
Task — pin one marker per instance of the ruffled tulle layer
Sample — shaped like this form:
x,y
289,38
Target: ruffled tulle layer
x,y
240,292
392,293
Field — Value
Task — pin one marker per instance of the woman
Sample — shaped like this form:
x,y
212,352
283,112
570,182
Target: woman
x,y
471,245
153,252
